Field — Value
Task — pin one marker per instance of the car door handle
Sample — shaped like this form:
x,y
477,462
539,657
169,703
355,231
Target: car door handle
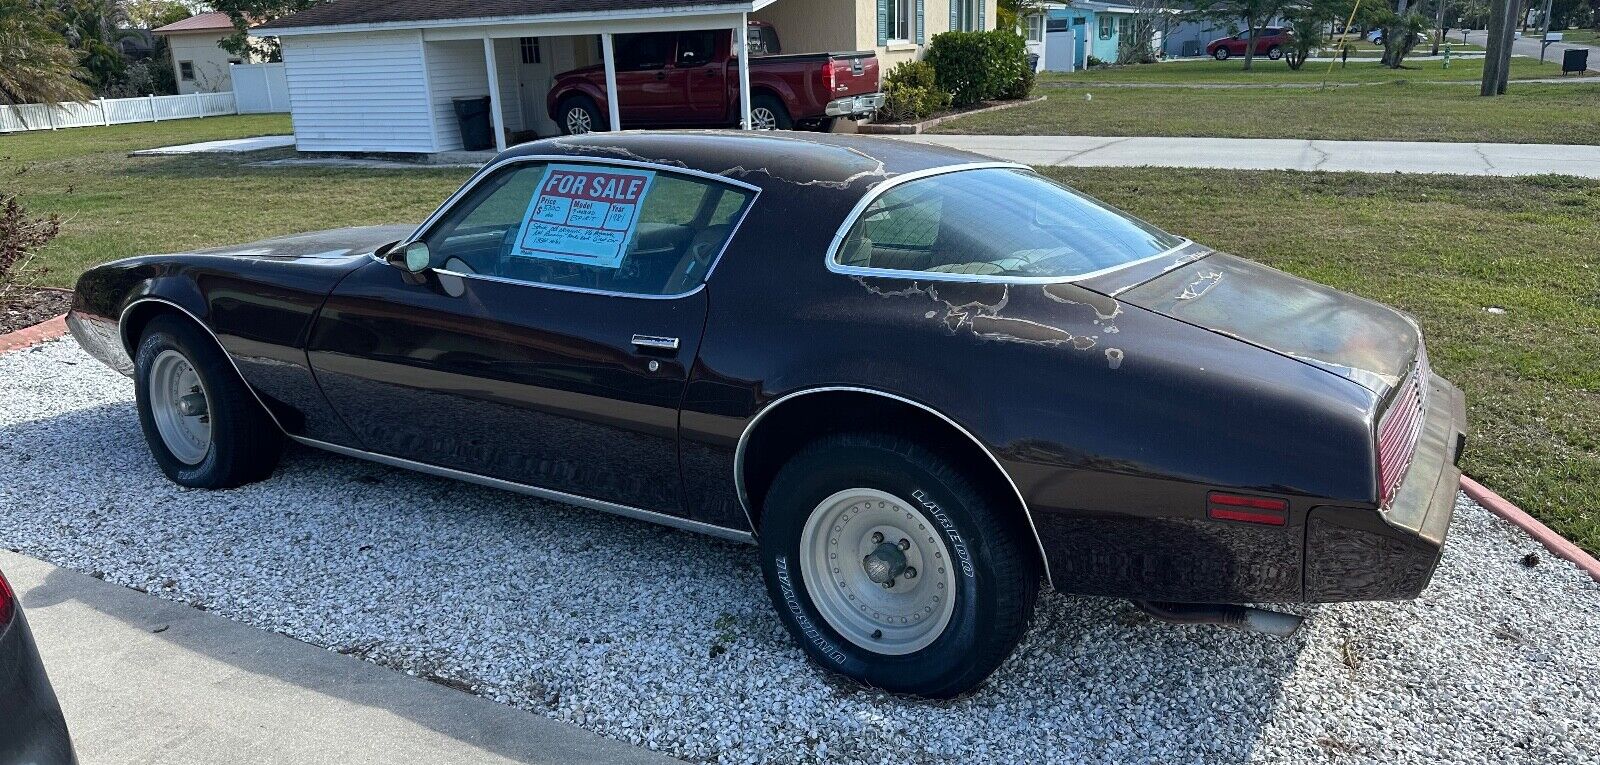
x,y
654,342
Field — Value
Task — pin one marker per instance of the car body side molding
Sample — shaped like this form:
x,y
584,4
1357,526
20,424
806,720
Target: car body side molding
x,y
744,441
627,511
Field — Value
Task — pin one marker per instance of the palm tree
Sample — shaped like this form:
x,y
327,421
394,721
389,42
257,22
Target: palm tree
x,y
36,66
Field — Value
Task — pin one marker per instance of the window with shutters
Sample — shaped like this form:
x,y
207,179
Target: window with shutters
x,y
900,19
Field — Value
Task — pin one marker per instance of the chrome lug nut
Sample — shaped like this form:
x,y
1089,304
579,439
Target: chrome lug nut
x,y
905,544
911,573
877,537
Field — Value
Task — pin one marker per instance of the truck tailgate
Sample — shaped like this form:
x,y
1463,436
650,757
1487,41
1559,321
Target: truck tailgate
x,y
854,73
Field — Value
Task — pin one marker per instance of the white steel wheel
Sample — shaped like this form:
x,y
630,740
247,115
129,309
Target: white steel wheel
x,y
180,407
763,118
578,120
878,571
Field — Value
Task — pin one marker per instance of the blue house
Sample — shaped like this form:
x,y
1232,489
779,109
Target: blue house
x,y
1076,30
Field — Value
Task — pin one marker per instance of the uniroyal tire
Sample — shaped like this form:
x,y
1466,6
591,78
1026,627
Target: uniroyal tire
x,y
996,577
244,443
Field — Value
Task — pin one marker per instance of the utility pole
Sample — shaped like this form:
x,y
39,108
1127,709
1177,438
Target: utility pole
x,y
1438,26
1490,84
1544,21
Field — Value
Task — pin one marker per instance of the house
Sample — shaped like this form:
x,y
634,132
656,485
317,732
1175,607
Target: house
x,y
382,75
1087,28
199,63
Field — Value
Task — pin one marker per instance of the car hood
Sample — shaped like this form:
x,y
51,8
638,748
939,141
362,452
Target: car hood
x,y
317,245
1366,342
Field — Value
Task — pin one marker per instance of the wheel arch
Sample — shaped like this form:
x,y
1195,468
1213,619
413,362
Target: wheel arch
x,y
788,423
138,314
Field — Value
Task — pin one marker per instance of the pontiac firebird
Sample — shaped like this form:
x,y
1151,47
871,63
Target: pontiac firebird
x,y
925,383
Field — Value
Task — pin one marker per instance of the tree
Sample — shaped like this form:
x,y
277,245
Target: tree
x,y
36,66
1010,13
1307,24
1253,14
1138,45
248,13
150,14
93,28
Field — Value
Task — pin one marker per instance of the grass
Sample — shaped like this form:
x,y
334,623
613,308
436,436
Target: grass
x,y
1268,72
113,205
1398,112
1443,248
1580,37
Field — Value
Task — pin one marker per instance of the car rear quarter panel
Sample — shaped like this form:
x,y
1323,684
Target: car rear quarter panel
x,y
1114,422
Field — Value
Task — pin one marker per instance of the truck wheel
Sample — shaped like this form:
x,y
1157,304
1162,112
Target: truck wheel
x,y
1221,53
204,427
768,113
579,115
890,567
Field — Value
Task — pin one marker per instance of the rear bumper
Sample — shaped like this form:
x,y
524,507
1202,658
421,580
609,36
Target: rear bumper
x,y
1357,554
854,106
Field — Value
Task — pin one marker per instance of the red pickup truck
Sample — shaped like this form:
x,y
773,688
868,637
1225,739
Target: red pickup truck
x,y
691,79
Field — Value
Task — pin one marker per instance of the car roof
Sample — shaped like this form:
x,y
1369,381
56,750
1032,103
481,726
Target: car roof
x,y
770,160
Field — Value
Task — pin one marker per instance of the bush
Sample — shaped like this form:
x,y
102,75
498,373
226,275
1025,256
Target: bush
x,y
912,93
20,237
1091,61
980,66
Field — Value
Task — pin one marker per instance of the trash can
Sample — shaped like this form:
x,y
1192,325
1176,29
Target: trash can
x,y
472,114
1574,60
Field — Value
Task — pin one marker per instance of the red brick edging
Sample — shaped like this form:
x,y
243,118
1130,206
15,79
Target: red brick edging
x,y
1555,543
49,329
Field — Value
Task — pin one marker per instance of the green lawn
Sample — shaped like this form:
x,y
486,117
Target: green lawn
x,y
1443,248
1580,37
114,205
1268,72
1398,112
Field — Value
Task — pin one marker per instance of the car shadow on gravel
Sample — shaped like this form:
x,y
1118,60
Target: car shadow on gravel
x,y
641,633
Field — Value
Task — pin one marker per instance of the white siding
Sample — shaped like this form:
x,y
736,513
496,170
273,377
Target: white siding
x,y
360,92
455,70
508,59
208,62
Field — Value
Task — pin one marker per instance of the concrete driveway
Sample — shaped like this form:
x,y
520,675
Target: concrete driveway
x,y
1529,46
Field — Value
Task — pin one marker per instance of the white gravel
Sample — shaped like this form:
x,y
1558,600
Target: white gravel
x,y
666,639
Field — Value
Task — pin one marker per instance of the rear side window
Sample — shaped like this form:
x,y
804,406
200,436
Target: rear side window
x,y
696,48
995,224
644,51
628,230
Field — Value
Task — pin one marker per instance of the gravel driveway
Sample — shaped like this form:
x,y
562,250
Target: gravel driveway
x,y
666,639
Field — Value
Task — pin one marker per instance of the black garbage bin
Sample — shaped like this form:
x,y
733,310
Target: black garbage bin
x,y
1574,60
472,114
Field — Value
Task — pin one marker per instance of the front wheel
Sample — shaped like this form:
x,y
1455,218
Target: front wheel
x,y
579,115
1221,54
889,566
205,429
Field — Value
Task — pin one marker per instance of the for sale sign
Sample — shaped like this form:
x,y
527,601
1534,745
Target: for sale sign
x,y
582,214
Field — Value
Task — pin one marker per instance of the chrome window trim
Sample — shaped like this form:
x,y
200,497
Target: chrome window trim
x,y
627,511
837,246
489,169
131,354
749,428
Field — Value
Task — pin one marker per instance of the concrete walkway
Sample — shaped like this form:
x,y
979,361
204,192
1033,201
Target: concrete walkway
x,y
1504,159
228,146
144,680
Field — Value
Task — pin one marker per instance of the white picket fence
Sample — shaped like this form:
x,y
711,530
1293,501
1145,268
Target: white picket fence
x,y
114,111
259,88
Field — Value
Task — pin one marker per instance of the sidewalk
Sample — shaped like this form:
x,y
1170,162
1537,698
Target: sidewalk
x,y
145,680
1501,159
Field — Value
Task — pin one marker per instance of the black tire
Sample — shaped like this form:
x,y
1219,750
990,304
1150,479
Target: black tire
x,y
771,103
584,104
245,443
1221,53
1274,53
994,599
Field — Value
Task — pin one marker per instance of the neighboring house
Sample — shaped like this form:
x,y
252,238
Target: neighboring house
x,y
198,62
382,76
1080,29
898,30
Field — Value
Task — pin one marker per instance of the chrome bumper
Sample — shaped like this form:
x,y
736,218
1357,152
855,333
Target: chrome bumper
x,y
852,105
100,338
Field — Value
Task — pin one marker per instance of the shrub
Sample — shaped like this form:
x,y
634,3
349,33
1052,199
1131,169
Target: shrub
x,y
911,93
20,237
1091,61
980,66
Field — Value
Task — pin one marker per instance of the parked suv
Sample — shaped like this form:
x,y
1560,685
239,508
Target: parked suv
x,y
691,79
1270,41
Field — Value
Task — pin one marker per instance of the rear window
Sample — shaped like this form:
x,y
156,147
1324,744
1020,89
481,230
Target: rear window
x,y
995,223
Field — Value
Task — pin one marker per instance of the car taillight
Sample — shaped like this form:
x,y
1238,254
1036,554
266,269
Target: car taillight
x,y
1247,509
8,602
1399,430
830,76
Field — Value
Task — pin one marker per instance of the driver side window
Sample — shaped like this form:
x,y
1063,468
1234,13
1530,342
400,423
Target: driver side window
x,y
589,227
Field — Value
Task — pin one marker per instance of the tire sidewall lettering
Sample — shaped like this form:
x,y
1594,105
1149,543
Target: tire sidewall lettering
x,y
791,600
958,543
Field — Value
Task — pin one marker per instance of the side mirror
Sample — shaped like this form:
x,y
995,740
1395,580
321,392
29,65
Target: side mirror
x,y
413,258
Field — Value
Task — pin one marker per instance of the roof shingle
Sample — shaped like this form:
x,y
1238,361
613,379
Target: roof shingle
x,y
342,12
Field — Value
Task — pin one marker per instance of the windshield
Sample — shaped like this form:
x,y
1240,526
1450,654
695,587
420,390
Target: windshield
x,y
996,222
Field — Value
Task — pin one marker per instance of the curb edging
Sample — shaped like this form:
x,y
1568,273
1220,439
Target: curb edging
x,y
918,128
1558,545
49,329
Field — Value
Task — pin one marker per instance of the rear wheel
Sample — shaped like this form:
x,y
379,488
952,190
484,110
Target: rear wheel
x,y
1221,54
579,115
203,426
888,565
768,113
1275,53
